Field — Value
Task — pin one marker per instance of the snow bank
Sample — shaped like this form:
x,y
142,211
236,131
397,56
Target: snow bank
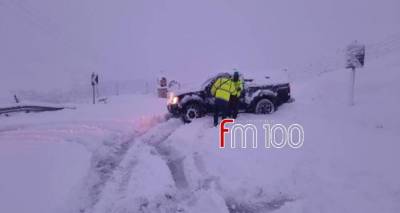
x,y
44,157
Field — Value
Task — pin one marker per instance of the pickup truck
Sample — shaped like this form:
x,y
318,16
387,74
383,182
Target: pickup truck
x,y
257,98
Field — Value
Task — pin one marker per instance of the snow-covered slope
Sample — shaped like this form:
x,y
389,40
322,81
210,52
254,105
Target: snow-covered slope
x,y
347,163
124,157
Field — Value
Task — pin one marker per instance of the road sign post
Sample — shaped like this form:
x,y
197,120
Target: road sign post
x,y
355,55
94,83
352,82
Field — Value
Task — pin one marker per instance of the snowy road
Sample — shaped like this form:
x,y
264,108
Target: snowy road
x,y
44,157
125,157
124,165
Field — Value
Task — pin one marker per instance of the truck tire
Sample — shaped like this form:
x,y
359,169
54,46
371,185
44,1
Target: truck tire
x,y
191,112
264,106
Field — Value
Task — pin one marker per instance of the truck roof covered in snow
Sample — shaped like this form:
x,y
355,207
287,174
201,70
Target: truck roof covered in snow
x,y
266,78
251,78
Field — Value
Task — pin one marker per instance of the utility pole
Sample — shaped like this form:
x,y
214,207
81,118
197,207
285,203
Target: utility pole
x,y
94,94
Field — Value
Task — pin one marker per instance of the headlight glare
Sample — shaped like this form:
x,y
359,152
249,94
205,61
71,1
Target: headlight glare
x,y
174,100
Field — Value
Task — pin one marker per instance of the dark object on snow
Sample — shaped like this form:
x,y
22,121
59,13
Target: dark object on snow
x,y
355,57
163,82
162,89
102,100
27,109
255,98
16,99
94,81
162,92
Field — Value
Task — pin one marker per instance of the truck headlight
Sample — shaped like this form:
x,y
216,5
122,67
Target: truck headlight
x,y
172,99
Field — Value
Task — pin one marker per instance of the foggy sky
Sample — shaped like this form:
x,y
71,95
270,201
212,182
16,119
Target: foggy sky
x,y
57,43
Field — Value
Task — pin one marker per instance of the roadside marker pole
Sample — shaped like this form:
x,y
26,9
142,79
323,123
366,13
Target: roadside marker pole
x,y
355,58
94,94
94,81
352,86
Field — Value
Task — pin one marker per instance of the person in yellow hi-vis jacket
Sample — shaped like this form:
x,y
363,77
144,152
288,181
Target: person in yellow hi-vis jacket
x,y
234,99
222,89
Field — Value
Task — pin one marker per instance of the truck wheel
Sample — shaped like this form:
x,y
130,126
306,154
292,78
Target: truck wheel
x,y
191,112
264,106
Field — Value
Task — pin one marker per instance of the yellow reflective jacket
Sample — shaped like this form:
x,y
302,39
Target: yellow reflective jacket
x,y
238,88
223,88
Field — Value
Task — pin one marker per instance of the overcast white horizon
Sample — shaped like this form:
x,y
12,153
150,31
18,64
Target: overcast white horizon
x,y
47,44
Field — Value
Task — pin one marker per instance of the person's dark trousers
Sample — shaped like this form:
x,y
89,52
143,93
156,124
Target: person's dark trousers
x,y
220,109
234,106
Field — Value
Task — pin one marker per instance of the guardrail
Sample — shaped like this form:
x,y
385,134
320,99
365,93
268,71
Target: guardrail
x,y
28,109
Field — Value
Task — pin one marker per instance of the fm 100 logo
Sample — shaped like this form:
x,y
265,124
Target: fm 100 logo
x,y
275,135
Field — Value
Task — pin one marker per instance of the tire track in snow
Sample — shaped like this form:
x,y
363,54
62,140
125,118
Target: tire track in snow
x,y
115,195
111,168
175,162
116,191
104,161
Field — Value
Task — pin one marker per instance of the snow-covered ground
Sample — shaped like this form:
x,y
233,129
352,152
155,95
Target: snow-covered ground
x,y
125,157
45,156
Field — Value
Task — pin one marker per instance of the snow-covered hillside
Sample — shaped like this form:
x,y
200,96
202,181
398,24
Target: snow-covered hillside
x,y
125,157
